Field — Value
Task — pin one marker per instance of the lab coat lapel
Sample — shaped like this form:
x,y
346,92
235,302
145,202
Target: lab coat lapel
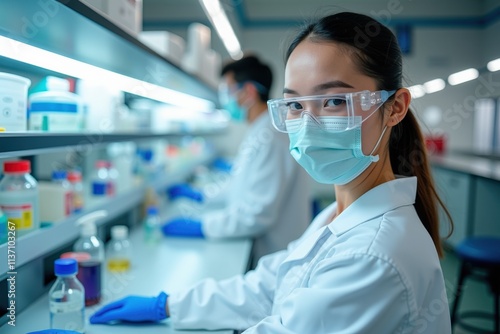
x,y
376,202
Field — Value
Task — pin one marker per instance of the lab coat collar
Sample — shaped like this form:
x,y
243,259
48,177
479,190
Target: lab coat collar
x,y
376,202
261,120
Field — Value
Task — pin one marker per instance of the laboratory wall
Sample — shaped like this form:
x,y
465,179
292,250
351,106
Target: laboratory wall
x,y
436,52
438,49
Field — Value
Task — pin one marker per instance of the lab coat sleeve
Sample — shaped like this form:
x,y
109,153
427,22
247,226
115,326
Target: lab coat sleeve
x,y
254,207
235,303
346,294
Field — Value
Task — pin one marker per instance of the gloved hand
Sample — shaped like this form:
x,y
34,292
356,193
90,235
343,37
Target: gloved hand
x,y
184,190
183,227
222,164
132,308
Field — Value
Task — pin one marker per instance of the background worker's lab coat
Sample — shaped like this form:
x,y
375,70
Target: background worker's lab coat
x,y
374,269
267,195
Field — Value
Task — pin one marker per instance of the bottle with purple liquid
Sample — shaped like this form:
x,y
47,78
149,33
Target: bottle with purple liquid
x,y
90,250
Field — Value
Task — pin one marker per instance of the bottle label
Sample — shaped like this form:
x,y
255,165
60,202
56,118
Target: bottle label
x,y
19,214
68,203
77,202
110,189
65,307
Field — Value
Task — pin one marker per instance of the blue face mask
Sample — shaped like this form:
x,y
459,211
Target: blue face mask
x,y
229,102
236,112
330,156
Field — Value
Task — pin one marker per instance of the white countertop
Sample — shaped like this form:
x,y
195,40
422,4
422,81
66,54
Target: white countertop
x,y
479,166
173,264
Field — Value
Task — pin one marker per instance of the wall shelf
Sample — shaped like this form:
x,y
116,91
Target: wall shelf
x,y
43,241
71,29
74,30
30,143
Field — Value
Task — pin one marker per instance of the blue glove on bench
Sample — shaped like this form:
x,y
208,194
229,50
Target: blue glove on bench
x,y
133,309
183,227
184,190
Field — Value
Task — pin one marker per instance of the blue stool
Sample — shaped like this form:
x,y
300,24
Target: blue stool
x,y
480,258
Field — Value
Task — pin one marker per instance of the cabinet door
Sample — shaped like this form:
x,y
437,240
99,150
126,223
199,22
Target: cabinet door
x,y
487,208
454,188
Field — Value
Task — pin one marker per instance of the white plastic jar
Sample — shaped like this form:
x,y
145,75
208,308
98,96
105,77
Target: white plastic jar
x,y
13,96
19,197
55,111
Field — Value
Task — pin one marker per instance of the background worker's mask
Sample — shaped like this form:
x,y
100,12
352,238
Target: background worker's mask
x,y
229,102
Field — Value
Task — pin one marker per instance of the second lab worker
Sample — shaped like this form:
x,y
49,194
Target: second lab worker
x,y
267,195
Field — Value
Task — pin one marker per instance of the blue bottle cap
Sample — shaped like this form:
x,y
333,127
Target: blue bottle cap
x,y
59,175
99,188
147,155
152,210
64,267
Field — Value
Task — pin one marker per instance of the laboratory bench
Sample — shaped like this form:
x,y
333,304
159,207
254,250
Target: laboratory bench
x,y
473,164
469,185
170,265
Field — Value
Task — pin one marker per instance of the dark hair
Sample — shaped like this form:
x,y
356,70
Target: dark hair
x,y
376,52
250,68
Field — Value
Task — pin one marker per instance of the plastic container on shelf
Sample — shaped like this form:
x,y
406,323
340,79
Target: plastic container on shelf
x,y
55,111
104,180
113,174
66,298
121,157
60,179
13,97
78,197
99,182
90,268
56,198
19,197
118,250
152,225
147,169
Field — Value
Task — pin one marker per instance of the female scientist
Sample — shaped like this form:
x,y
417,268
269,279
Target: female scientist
x,y
369,263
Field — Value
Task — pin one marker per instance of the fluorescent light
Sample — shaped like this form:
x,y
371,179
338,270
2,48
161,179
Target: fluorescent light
x,y
434,86
217,16
417,91
463,76
494,65
28,54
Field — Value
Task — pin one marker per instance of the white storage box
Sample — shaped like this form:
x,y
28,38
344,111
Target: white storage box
x,y
126,13
55,111
13,96
170,46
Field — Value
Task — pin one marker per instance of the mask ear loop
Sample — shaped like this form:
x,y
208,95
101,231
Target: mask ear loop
x,y
385,97
375,158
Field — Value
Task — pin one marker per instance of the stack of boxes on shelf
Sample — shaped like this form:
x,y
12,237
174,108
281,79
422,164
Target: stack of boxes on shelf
x,y
125,13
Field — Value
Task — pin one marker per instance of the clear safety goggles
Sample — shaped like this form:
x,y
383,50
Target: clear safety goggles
x,y
355,107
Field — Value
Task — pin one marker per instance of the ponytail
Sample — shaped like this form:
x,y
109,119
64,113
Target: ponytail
x,y
409,158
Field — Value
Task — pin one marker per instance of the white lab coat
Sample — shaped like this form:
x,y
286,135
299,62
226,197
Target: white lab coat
x,y
374,269
267,196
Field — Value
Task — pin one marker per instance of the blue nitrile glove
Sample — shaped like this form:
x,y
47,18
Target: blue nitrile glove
x,y
132,308
184,190
183,227
222,164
